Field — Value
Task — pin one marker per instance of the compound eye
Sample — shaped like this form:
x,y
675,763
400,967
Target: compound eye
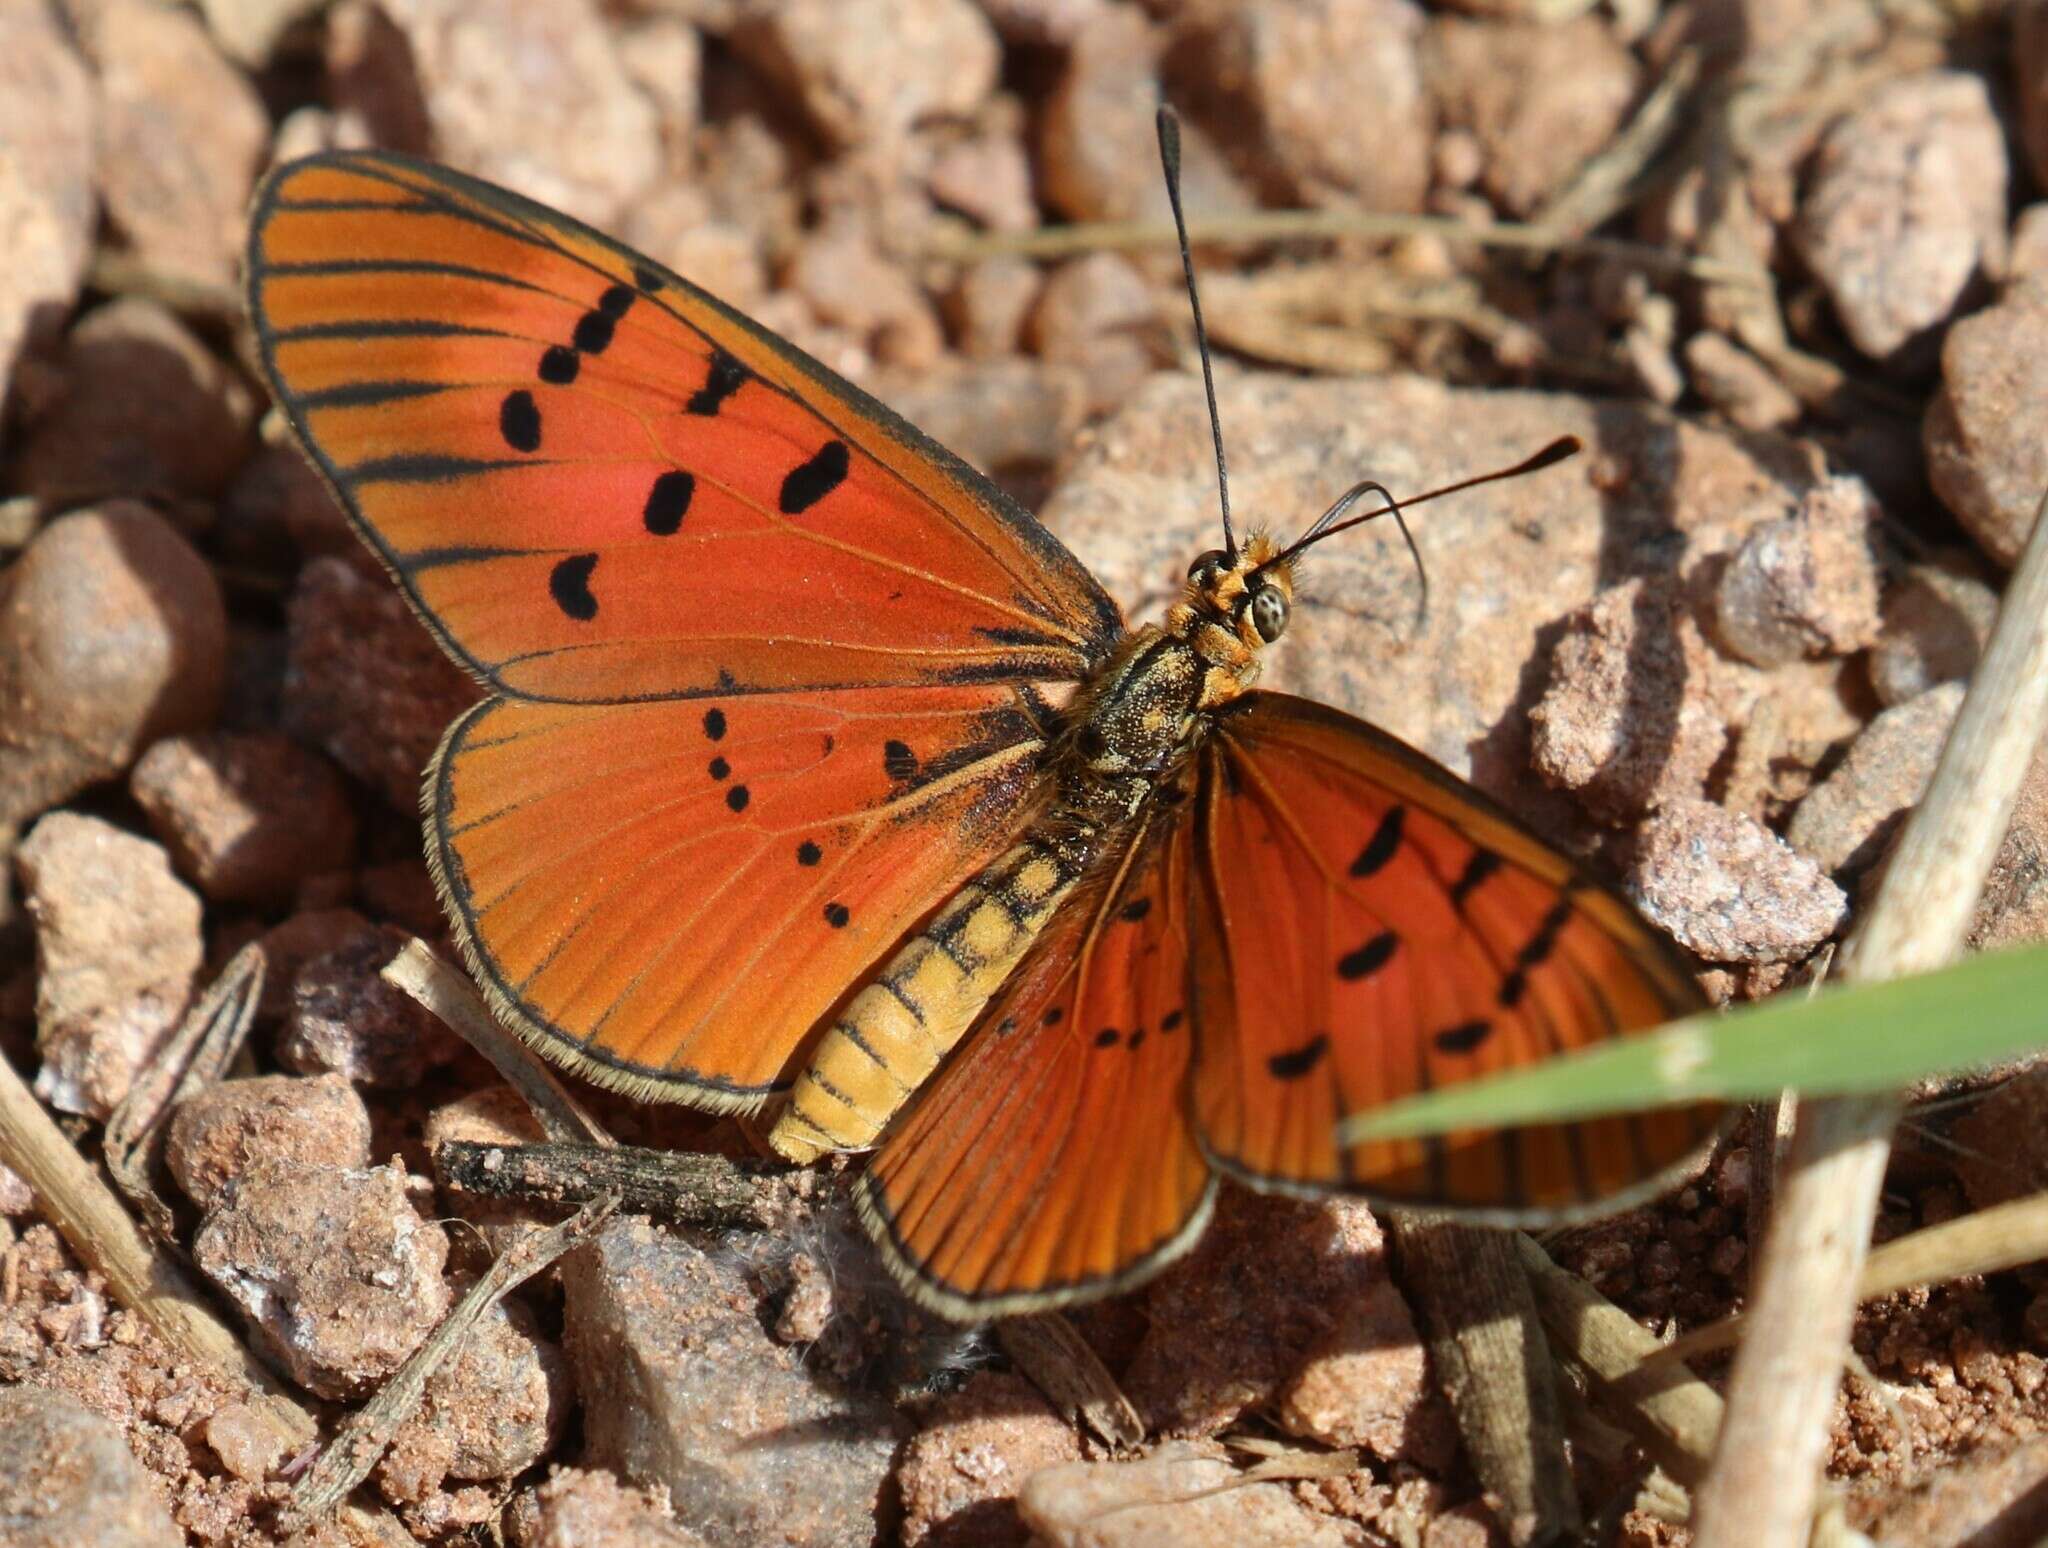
x,y
1269,613
1206,565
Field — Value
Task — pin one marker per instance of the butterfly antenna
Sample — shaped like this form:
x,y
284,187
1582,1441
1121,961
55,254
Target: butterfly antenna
x,y
1169,158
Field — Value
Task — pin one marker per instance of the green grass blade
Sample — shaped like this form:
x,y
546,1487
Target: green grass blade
x,y
1860,1039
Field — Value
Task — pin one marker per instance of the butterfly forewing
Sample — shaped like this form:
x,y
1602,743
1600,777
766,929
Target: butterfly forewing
x,y
1365,928
600,485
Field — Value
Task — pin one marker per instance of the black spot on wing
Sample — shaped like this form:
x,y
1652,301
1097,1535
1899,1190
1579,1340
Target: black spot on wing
x,y
1297,1062
1135,910
718,768
1380,848
569,585
519,421
1484,863
738,797
1464,1037
559,365
898,761
1369,958
836,915
1108,1037
668,502
727,376
593,335
617,301
648,281
714,724
808,853
1171,1020
809,482
1053,1017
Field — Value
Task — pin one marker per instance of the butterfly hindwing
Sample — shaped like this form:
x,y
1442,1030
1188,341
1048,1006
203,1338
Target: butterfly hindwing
x,y
1366,927
599,484
669,895
1051,1160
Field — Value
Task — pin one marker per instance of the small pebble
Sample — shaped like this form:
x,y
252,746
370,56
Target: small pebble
x,y
112,633
247,1442
67,1478
1367,1383
1738,384
586,1508
987,307
229,1129
1730,890
1848,819
960,1474
338,1276
1805,585
1936,620
246,815
118,946
344,1017
1984,457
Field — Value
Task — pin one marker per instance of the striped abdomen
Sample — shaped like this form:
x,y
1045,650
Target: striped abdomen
x,y
895,1031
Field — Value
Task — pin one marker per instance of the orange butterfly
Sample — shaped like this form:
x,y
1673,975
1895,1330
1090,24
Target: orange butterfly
x,y
815,770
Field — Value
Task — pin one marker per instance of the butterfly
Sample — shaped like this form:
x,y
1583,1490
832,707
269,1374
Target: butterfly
x,y
814,776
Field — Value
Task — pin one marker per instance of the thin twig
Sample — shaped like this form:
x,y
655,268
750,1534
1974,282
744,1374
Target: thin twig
x,y
1289,225
198,1053
1760,1491
679,1186
1059,1362
348,1459
445,992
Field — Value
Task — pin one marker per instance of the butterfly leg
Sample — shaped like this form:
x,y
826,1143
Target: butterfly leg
x,y
893,1034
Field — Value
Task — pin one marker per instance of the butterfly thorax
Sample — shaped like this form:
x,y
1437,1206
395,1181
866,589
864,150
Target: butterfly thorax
x,y
1129,732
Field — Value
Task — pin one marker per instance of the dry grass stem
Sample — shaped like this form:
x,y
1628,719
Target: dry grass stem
x,y
348,1459
1054,1358
678,1186
1760,1491
1605,185
1486,1339
445,992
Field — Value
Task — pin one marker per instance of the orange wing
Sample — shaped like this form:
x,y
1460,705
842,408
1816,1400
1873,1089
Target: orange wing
x,y
1366,927
768,661
1051,1160
601,485
668,896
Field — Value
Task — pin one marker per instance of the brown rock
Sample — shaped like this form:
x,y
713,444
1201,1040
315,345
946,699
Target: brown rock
x,y
67,1477
1098,156
850,285
673,225
117,944
181,135
1138,502
1983,458
988,305
1936,620
1232,1323
112,633
367,682
1805,585
290,946
248,31
1906,207
1540,99
1175,1495
961,1472
2030,82
1848,819
344,1017
226,1131
247,815
339,1278
1046,23
2029,251
493,1410
1098,314
1628,722
665,57
531,96
851,73
1990,1497
494,1115
373,81
997,414
2001,1141
987,178
699,1398
579,1509
47,210
280,510
1728,889
2013,909
1280,65
1738,384
248,1441
1367,1383
144,408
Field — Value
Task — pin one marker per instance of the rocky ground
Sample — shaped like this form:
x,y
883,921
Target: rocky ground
x,y
1781,264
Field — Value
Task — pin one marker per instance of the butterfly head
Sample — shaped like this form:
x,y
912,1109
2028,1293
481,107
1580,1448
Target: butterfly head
x,y
1249,591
